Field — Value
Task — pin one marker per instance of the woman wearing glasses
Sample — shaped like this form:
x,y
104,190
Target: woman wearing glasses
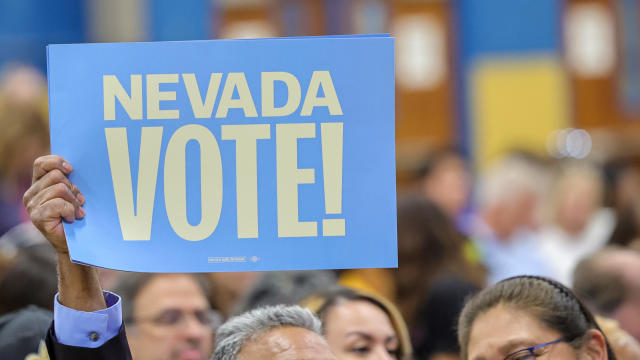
x,y
526,317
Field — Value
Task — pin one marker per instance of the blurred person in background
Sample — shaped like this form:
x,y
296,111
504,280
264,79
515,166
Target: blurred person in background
x,y
22,333
28,273
609,282
28,283
360,325
167,315
579,225
626,232
438,269
284,287
622,178
434,335
228,288
429,246
444,184
22,84
505,229
24,137
29,278
19,237
445,180
527,317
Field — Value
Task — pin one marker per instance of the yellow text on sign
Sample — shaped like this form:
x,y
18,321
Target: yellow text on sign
x,y
133,104
136,220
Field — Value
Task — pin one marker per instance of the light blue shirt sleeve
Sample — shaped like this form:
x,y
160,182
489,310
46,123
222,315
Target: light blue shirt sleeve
x,y
87,329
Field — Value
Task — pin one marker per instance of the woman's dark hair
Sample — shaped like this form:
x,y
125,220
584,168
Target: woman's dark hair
x,y
322,302
427,233
427,240
429,246
556,306
335,295
627,228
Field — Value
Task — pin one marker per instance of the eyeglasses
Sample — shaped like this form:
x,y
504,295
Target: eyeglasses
x,y
530,352
173,318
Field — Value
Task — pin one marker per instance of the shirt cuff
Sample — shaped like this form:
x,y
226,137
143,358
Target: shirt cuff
x,y
87,329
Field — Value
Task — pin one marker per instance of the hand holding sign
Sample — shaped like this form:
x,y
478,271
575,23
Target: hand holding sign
x,y
197,157
51,198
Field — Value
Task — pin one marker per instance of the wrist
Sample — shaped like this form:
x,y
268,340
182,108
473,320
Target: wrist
x,y
79,286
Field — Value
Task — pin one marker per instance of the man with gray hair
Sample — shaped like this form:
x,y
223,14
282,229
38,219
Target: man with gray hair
x,y
278,332
504,230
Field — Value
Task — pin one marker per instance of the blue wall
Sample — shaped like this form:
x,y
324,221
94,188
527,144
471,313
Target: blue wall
x,y
180,20
27,26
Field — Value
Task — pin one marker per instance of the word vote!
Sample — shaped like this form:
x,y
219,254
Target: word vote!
x,y
135,221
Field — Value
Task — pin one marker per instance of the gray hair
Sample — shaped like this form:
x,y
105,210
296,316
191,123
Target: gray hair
x,y
235,333
510,177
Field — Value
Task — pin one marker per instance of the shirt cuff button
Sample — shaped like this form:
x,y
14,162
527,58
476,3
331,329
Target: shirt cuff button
x,y
93,336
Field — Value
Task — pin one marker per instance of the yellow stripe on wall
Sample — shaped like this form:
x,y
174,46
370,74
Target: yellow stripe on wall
x,y
516,103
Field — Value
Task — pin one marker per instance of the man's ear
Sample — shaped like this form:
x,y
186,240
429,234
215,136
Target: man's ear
x,y
595,347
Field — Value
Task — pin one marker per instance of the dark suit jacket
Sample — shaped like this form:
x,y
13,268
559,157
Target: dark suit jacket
x,y
116,348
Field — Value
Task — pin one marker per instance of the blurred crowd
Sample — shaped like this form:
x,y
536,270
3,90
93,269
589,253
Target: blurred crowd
x,y
459,231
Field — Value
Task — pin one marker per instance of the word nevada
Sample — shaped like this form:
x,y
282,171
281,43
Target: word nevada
x,y
203,106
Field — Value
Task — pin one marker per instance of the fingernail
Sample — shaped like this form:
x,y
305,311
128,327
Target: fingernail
x,y
82,212
80,198
66,166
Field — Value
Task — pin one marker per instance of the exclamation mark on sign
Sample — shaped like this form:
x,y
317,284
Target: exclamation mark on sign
x,y
332,165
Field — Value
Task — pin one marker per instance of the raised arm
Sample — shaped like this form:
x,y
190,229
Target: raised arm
x,y
87,321
50,199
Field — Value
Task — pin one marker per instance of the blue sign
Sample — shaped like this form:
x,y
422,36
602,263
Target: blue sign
x,y
229,155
